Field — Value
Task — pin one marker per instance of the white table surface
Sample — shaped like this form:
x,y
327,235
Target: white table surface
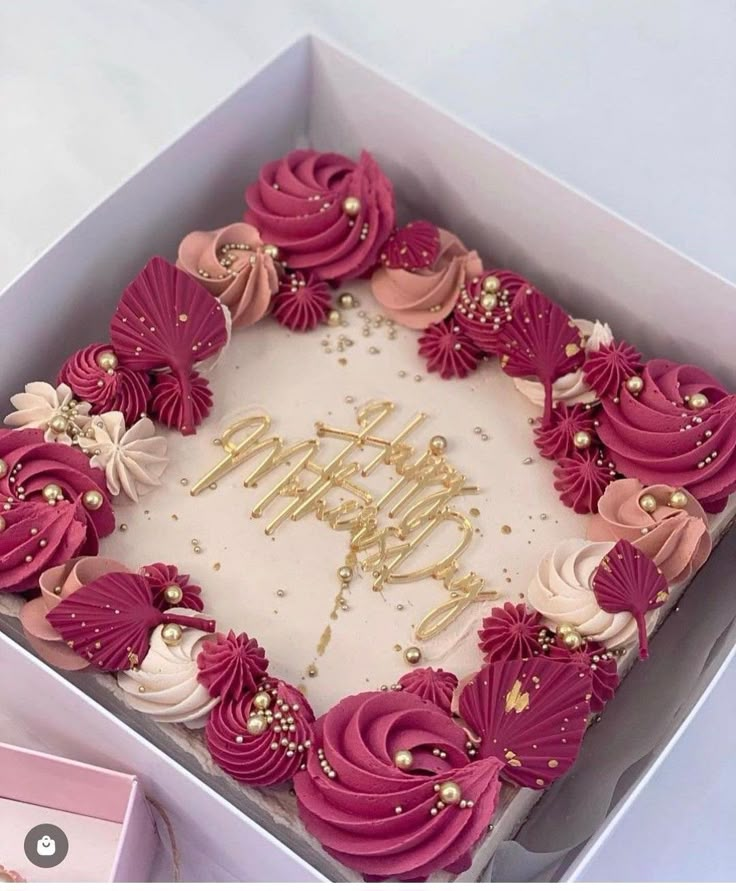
x,y
630,102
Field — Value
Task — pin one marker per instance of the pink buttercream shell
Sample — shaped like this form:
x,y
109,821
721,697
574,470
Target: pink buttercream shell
x,y
70,576
247,284
422,297
677,540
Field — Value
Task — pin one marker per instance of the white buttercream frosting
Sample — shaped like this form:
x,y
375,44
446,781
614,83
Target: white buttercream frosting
x,y
133,460
165,685
570,388
41,403
562,592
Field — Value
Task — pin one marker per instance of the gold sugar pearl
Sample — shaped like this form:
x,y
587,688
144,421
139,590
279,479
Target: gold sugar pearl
x,y
412,655
582,439
171,634
173,594
697,401
351,206
346,300
648,503
635,385
403,759
437,445
678,500
345,573
334,318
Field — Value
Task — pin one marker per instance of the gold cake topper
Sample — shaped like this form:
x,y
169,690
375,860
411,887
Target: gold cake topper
x,y
386,531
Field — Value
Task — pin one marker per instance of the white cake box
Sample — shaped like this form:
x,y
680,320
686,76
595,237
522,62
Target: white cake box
x,y
588,259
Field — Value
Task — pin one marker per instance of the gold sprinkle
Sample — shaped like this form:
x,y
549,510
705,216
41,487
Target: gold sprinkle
x,y
553,762
342,361
174,517
505,529
216,566
324,640
312,670
184,481
123,527
474,512
183,317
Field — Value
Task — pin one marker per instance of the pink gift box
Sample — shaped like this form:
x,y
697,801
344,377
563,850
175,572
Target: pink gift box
x,y
103,814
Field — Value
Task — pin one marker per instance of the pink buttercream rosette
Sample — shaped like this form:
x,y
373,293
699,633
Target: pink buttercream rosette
x,y
418,298
56,584
232,264
676,539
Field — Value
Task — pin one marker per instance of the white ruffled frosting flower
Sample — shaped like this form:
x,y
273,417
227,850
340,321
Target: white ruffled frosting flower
x,y
570,388
165,685
54,410
562,592
133,460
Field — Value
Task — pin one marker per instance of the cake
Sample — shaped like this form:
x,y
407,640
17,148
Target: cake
x,y
354,510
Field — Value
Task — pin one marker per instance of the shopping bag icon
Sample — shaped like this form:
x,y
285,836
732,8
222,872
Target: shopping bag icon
x,y
46,846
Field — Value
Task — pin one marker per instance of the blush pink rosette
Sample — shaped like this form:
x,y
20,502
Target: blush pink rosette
x,y
419,298
379,818
232,264
56,584
657,437
676,539
327,213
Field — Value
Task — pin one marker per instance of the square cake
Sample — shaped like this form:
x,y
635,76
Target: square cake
x,y
351,511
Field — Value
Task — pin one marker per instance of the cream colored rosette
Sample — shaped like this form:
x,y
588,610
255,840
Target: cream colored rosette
x,y
165,685
562,592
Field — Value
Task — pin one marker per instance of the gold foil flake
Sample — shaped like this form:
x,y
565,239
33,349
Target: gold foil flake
x,y
324,640
516,701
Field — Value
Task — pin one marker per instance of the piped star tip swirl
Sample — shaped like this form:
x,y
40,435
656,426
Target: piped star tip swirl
x,y
510,632
677,428
448,351
390,789
232,665
326,213
433,685
262,737
414,246
302,302
582,479
556,438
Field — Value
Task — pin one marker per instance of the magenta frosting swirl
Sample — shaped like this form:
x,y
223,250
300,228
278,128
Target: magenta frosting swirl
x,y
376,817
63,530
32,464
657,437
272,756
676,538
326,212
430,684
118,389
231,665
420,297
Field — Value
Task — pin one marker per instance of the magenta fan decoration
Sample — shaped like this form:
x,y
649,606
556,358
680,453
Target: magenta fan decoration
x,y
109,621
167,320
531,714
629,581
541,341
